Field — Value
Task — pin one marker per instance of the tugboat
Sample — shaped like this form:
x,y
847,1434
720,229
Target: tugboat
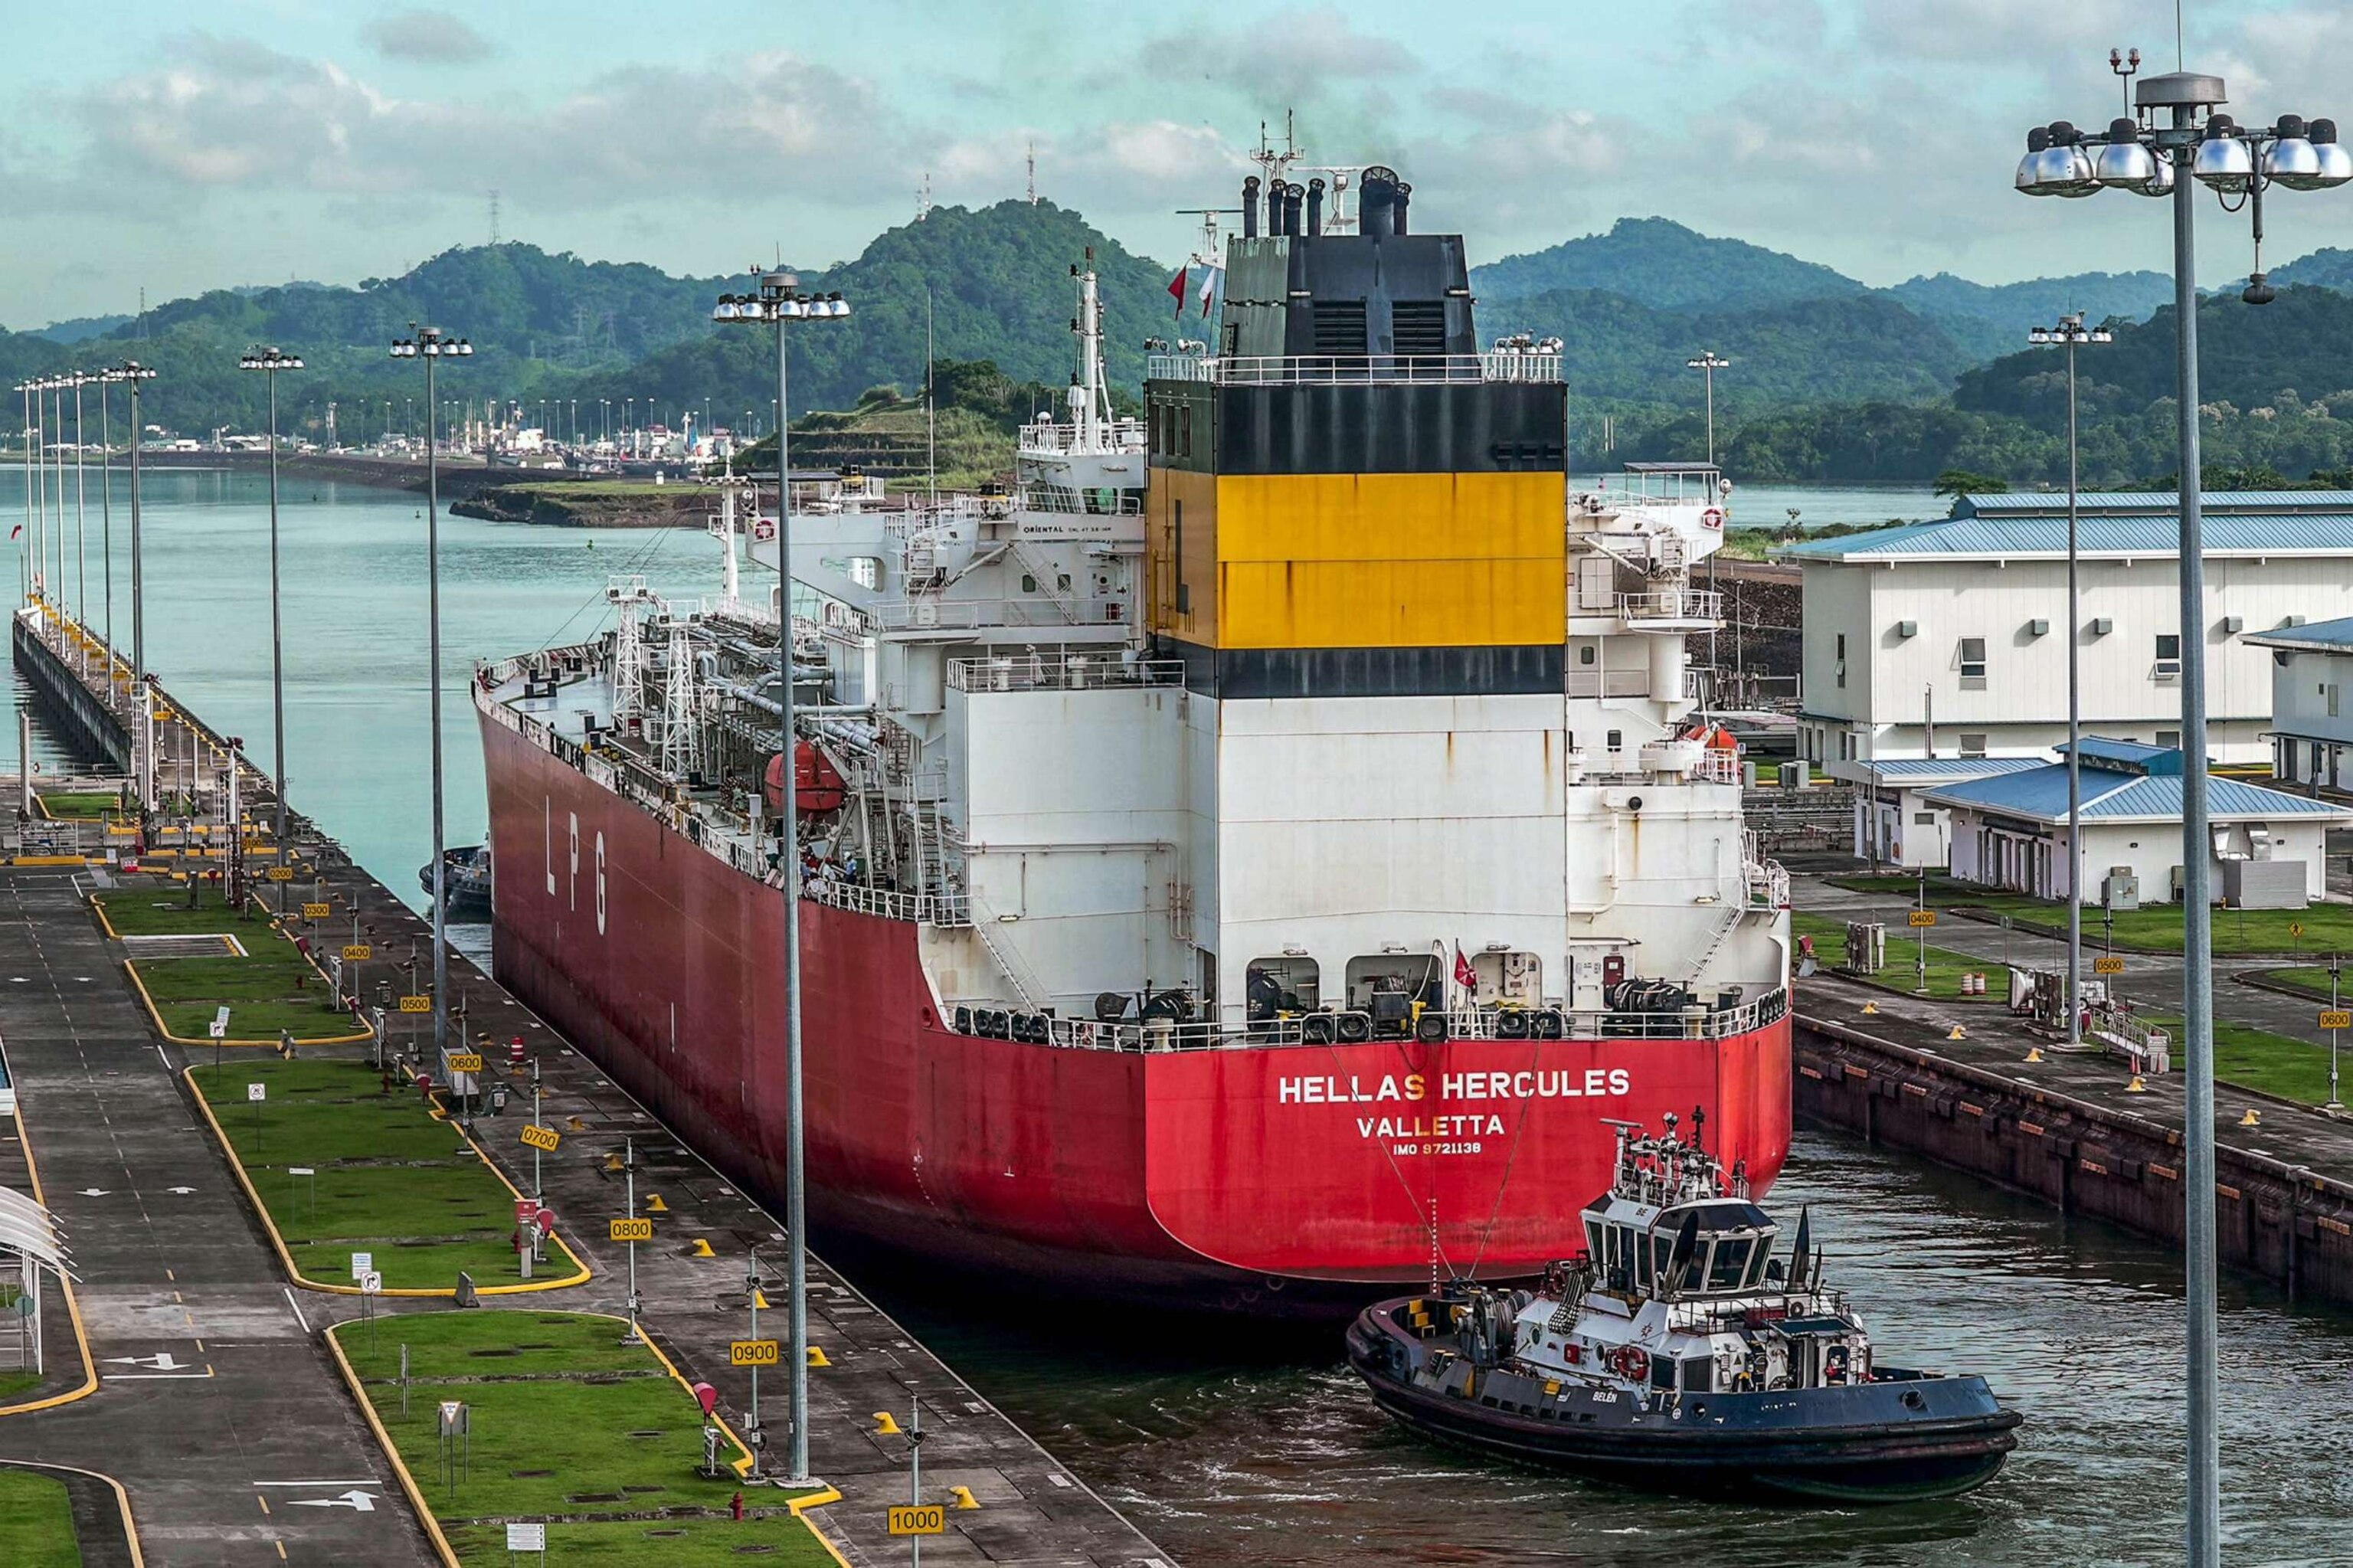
x,y
465,881
1677,1352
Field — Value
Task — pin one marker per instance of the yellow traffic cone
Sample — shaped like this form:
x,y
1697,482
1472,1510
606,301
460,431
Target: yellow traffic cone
x,y
817,1356
654,1205
2034,1052
963,1498
701,1248
2136,1086
2253,1119
1958,1033
885,1425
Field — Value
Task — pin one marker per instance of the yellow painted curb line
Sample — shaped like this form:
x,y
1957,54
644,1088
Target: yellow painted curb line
x,y
73,1310
49,860
423,1511
285,1255
121,1499
798,1507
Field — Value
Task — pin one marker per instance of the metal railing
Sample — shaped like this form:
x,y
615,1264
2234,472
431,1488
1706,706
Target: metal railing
x,y
1089,502
1609,683
1062,672
1124,435
1354,369
1320,1030
889,904
1673,604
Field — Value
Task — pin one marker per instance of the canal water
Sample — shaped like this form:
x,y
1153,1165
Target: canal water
x,y
1231,1453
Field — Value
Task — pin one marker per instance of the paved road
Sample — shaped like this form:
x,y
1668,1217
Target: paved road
x,y
219,1411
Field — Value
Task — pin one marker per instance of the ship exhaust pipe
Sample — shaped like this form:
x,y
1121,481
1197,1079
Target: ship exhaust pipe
x,y
1376,205
1249,208
1397,209
1315,206
1292,194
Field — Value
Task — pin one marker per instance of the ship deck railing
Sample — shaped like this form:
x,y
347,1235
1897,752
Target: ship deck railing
x,y
1062,672
1671,604
1353,369
889,904
990,1019
1119,436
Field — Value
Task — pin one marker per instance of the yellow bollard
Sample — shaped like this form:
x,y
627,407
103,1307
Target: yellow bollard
x,y
1870,1009
654,1205
613,1162
885,1425
760,1299
701,1248
2253,1119
1958,1033
817,1356
963,1498
2136,1086
2034,1052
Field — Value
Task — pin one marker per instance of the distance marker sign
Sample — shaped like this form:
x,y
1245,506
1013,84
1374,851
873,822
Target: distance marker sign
x,y
543,1139
2336,1018
633,1230
357,952
416,1004
1921,918
2108,966
923,1518
316,911
752,1353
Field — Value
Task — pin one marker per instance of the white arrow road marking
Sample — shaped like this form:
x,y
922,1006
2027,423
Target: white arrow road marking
x,y
179,1191
162,1361
359,1502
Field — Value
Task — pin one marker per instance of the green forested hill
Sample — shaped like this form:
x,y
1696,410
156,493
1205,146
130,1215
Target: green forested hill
x,y
1664,266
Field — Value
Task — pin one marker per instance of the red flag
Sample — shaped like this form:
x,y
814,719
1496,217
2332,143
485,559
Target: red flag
x,y
1463,974
1176,289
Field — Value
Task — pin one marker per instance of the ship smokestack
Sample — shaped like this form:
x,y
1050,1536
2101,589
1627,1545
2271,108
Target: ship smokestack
x,y
1275,208
1315,205
1404,194
1292,194
1376,206
1249,208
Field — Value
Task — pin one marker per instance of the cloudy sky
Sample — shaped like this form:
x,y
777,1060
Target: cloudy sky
x,y
206,142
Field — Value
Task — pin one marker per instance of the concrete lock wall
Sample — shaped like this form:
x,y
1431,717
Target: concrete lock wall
x,y
93,730
2284,1222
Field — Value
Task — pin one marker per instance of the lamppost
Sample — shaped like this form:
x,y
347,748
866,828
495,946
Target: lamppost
x,y
432,346
1708,365
132,373
606,403
106,520
30,531
2070,330
2173,142
780,301
269,361
77,380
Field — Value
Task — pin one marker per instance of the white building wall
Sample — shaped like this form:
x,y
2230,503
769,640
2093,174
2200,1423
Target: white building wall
x,y
2312,703
2149,850
2022,707
1073,811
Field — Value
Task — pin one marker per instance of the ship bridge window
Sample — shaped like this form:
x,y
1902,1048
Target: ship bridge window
x,y
1729,1267
1277,986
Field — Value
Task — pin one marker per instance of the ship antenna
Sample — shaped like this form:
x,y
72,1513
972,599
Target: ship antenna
x,y
931,415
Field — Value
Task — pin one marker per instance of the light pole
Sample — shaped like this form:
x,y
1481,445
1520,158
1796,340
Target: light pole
x,y
269,361
132,373
780,301
2173,142
106,521
81,554
2070,330
25,394
1708,365
432,346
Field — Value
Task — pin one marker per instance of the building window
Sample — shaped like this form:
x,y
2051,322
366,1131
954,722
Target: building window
x,y
1928,819
1029,583
2170,738
1584,653
2329,691
1616,740
1185,429
2169,656
1974,746
1973,665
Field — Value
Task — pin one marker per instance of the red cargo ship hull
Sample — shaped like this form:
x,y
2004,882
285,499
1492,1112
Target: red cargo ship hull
x,y
1258,1178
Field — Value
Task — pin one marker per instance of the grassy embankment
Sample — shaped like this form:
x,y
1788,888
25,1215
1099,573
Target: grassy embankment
x,y
1946,967
2325,927
86,805
37,1528
568,1425
392,1178
273,986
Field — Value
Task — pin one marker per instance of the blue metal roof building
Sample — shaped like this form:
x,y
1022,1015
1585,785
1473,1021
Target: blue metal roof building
x,y
2023,535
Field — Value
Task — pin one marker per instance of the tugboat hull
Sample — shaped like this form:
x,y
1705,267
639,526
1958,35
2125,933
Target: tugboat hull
x,y
1901,1437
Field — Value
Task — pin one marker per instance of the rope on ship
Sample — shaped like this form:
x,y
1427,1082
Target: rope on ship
x,y
1527,1108
1427,1214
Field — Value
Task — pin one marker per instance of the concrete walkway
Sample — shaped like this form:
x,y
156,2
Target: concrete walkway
x,y
219,1411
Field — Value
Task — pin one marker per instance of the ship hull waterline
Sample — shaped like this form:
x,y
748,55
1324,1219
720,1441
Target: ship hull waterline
x,y
1285,1181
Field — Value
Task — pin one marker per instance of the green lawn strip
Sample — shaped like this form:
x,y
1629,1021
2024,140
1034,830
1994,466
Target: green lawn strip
x,y
13,1383
36,1528
391,1180
1946,967
2327,927
2258,1059
273,987
81,803
553,1437
2310,977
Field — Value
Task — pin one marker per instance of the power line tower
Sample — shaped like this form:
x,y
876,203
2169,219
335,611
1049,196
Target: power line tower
x,y
924,198
1033,174
494,218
